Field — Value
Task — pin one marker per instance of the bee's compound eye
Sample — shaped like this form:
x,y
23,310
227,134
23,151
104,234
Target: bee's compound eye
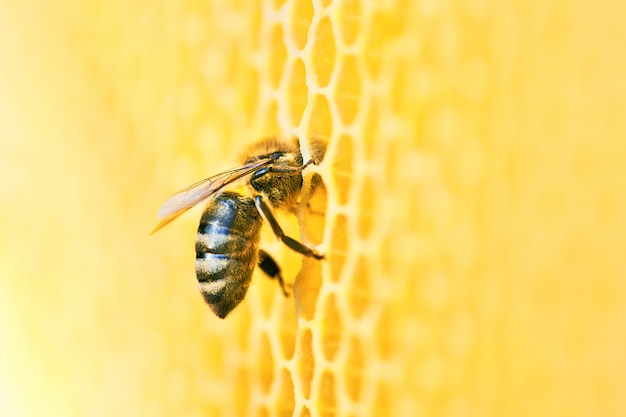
x,y
276,155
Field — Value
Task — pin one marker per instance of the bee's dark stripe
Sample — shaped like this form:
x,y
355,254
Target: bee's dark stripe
x,y
213,292
223,288
222,297
227,243
214,267
204,255
213,228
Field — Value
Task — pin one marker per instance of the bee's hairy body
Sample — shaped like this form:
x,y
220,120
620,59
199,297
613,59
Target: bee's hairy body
x,y
226,250
227,242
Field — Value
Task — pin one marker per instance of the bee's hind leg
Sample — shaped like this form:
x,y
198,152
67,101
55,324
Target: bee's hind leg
x,y
271,269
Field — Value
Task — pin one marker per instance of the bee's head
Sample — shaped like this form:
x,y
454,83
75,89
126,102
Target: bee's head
x,y
280,180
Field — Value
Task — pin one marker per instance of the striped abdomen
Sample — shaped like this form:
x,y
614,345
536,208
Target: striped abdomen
x,y
226,250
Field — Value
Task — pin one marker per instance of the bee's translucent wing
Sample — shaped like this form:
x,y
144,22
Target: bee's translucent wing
x,y
196,193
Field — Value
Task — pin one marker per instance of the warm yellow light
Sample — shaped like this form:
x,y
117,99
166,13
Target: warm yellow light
x,y
471,210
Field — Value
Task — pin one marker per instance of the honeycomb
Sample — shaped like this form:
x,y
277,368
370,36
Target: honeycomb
x,y
470,205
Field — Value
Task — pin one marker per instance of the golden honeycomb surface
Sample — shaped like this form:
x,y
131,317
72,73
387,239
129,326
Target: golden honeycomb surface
x,y
471,207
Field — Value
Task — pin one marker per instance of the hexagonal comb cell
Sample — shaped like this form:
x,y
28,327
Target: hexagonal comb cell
x,y
305,364
338,247
285,402
371,129
331,330
382,24
302,14
321,121
348,90
343,172
325,52
287,329
307,288
385,335
360,289
354,369
314,219
349,20
366,208
327,396
297,91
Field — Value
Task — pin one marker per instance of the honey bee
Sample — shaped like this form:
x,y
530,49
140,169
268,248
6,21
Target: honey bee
x,y
227,242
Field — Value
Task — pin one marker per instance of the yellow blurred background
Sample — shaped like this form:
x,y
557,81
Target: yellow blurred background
x,y
474,220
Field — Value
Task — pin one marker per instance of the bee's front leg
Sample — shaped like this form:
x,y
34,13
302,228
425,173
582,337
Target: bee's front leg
x,y
299,247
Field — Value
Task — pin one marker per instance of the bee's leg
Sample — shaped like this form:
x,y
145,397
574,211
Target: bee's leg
x,y
266,212
271,269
